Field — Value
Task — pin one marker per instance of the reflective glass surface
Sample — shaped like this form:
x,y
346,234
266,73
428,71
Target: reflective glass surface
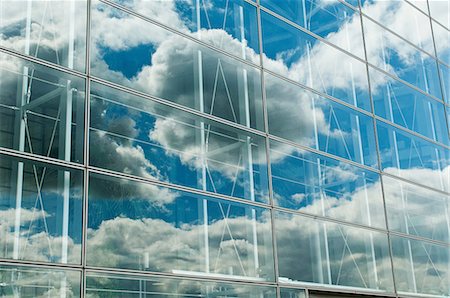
x,y
439,10
316,251
420,267
116,285
306,118
442,42
230,25
41,110
32,282
394,55
319,185
413,158
408,107
169,66
141,226
332,20
404,19
445,77
40,212
300,57
51,30
137,136
417,211
292,293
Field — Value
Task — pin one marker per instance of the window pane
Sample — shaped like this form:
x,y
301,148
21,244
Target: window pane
x,y
230,25
301,58
144,227
316,251
41,110
292,293
420,267
409,108
304,117
445,77
51,30
413,158
31,282
392,54
439,10
415,210
333,21
40,211
314,184
174,68
404,19
442,41
137,136
115,285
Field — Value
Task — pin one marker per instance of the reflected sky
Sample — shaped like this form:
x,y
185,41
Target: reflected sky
x,y
212,64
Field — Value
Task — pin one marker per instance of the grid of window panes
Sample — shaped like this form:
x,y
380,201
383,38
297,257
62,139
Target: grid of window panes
x,y
231,148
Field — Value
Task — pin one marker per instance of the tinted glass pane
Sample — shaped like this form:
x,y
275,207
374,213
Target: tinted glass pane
x,y
304,117
41,110
404,19
40,212
31,282
442,42
389,52
420,267
292,293
413,158
319,185
109,285
144,227
174,68
304,59
311,250
409,108
51,30
445,77
137,136
415,210
227,24
334,21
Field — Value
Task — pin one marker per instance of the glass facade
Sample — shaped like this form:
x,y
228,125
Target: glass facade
x,y
224,148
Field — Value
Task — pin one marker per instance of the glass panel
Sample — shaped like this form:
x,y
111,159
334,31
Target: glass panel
x,y
304,117
413,158
332,20
439,10
445,77
141,226
420,267
420,4
407,107
115,285
404,19
292,293
227,24
389,52
137,136
442,42
314,184
316,251
40,211
417,211
41,110
51,30
174,68
32,282
301,58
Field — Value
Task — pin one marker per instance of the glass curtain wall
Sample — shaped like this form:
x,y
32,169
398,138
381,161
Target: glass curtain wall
x,y
224,148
